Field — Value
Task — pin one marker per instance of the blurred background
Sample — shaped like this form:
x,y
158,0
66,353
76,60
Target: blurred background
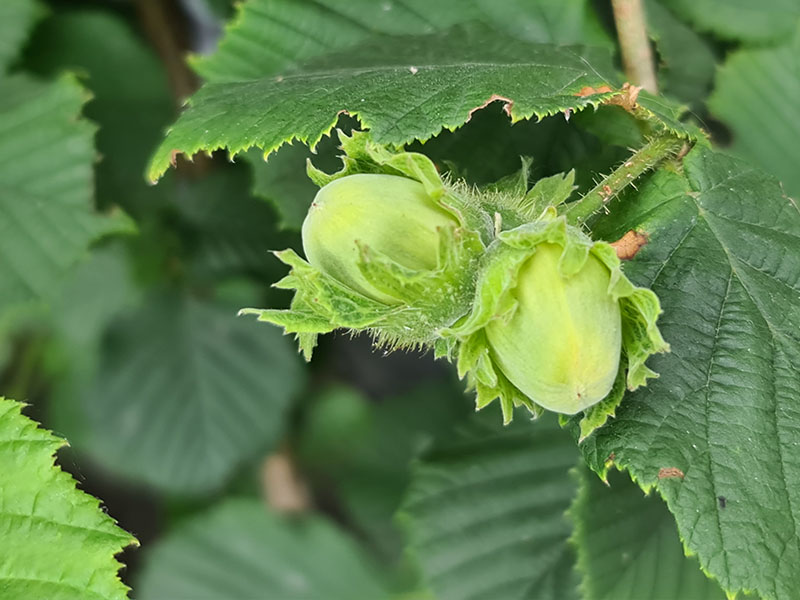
x,y
184,419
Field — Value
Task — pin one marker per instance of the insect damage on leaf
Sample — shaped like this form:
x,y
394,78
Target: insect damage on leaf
x,y
670,473
508,104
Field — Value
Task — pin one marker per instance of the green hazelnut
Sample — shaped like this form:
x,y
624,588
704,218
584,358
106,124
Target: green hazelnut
x,y
561,345
386,214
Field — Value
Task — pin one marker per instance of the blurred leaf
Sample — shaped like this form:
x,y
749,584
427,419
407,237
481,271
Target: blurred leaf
x,y
401,89
97,291
227,231
259,43
132,102
186,392
220,8
687,62
485,512
57,541
284,183
17,18
239,550
627,545
724,259
370,473
740,19
46,216
283,180
756,95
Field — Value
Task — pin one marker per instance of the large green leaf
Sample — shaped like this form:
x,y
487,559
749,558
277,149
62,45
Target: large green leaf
x,y
46,216
756,96
740,19
186,392
57,542
485,513
401,89
718,432
131,102
268,37
628,548
258,44
16,20
241,551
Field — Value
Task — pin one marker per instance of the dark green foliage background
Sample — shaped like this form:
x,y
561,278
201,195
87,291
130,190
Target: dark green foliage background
x,y
118,300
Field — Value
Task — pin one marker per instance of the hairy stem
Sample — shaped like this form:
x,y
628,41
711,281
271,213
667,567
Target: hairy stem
x,y
637,56
644,159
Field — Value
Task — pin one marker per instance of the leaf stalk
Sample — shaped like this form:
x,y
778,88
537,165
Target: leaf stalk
x,y
644,159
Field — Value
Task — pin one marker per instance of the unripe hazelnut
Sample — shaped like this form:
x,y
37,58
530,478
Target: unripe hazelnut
x,y
387,214
561,345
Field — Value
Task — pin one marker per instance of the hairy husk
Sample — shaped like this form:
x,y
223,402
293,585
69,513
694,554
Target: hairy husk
x,y
387,214
532,311
561,344
543,331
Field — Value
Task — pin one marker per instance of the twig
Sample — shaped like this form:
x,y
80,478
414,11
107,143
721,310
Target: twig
x,y
644,159
283,486
164,24
158,23
637,55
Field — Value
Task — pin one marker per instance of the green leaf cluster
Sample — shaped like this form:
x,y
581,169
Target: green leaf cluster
x,y
118,301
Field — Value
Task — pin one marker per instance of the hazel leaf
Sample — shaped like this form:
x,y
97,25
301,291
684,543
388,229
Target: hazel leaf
x,y
724,260
402,89
44,516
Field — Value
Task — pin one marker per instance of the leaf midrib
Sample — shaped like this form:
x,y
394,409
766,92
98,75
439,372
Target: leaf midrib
x,y
353,72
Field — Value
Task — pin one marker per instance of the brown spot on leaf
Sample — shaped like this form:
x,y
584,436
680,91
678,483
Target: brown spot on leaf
x,y
590,91
508,103
629,244
670,473
627,99
173,156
